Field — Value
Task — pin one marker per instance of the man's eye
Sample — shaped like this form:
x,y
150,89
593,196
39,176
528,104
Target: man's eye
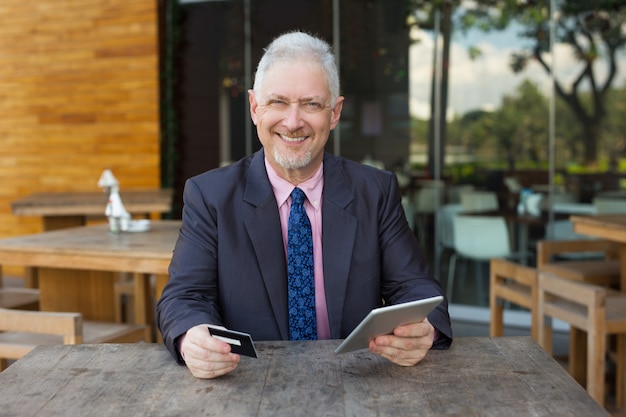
x,y
276,103
313,105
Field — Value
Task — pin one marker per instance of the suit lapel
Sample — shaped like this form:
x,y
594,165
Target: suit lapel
x,y
338,235
264,229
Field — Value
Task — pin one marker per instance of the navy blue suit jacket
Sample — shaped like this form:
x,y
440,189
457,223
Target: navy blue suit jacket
x,y
229,265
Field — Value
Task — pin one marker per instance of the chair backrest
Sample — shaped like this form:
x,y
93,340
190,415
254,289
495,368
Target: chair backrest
x,y
516,283
445,220
21,331
426,199
68,325
548,249
479,200
453,192
481,237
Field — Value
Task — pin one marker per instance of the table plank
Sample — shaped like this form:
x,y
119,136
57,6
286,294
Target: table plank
x,y
94,248
509,376
92,203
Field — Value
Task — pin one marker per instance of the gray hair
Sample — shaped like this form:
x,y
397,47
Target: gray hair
x,y
299,45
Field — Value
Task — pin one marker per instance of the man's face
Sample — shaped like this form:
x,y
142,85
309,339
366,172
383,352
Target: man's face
x,y
293,116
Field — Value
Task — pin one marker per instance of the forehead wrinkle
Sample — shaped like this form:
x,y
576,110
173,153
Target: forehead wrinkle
x,y
305,99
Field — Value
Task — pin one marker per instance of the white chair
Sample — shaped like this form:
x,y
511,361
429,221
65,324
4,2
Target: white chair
x,y
409,211
563,229
479,239
476,200
560,198
453,192
427,198
606,205
445,221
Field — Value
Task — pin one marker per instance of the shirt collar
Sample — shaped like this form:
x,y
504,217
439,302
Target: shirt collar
x,y
312,187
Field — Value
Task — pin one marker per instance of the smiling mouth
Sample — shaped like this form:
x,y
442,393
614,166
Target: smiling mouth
x,y
294,139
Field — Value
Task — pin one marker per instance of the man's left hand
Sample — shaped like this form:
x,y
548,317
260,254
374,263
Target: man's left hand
x,y
408,344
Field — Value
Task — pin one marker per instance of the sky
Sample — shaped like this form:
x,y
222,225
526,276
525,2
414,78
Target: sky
x,y
481,83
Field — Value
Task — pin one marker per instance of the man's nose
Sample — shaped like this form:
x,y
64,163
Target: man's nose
x,y
293,116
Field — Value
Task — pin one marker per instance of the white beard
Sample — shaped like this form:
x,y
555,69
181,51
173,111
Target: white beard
x,y
292,161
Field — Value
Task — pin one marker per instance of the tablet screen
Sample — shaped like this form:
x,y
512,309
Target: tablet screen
x,y
384,319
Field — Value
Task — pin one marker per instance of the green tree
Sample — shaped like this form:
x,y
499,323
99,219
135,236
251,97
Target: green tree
x,y
429,15
592,29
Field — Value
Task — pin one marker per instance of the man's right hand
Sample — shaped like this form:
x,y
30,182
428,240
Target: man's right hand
x,y
205,356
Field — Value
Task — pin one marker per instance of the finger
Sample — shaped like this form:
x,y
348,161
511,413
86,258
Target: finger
x,y
206,356
211,369
399,356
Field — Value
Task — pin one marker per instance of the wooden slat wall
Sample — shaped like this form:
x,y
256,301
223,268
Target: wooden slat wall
x,y
78,94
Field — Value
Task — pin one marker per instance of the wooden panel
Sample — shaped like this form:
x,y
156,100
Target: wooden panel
x,y
86,292
78,94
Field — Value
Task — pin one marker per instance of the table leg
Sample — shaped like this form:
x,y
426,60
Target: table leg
x,y
161,280
622,257
143,303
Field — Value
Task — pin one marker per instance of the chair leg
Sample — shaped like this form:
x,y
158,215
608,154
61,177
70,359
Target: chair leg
x,y
596,350
496,322
545,331
480,285
620,372
578,351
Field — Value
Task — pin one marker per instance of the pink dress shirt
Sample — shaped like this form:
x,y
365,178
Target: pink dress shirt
x,y
313,205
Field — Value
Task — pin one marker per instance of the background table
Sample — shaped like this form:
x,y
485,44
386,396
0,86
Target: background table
x,y
70,209
476,376
76,267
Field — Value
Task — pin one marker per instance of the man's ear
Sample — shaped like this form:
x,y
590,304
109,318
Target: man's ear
x,y
335,114
253,106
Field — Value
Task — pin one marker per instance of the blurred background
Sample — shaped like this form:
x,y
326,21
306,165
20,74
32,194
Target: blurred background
x,y
498,96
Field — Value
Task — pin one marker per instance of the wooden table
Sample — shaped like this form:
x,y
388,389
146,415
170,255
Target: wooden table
x,y
69,209
76,267
508,376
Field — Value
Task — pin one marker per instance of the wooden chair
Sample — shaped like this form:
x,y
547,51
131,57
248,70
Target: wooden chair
x,y
515,283
22,298
21,331
597,310
566,258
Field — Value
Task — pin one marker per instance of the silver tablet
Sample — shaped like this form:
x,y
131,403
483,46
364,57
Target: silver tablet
x,y
383,320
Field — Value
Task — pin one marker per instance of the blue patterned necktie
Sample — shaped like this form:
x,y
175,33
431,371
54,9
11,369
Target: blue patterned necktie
x,y
301,282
